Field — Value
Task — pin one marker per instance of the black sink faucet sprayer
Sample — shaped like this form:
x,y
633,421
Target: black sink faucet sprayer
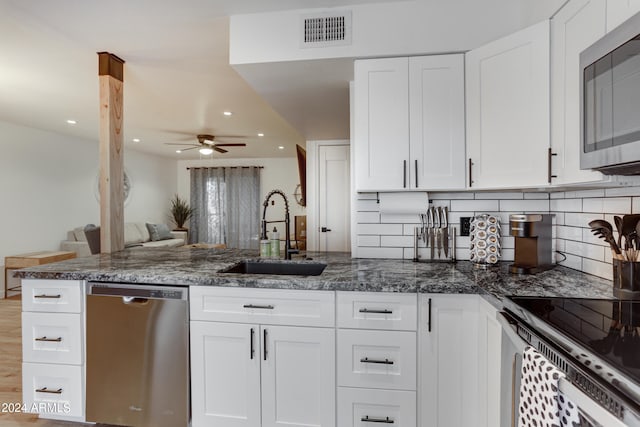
x,y
287,223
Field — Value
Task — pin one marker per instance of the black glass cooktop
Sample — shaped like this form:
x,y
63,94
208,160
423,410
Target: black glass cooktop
x,y
610,329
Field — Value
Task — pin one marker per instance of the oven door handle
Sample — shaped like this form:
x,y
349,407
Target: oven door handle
x,y
508,328
587,406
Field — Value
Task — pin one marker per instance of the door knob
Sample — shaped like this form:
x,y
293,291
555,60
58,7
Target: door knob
x,y
325,229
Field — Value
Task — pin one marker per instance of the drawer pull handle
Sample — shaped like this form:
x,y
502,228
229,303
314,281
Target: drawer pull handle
x,y
263,307
386,420
59,339
46,390
381,362
367,310
48,296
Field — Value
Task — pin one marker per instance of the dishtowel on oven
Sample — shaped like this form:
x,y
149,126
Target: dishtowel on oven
x,y
542,404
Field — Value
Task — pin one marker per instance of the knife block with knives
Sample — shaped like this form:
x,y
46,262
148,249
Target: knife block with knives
x,y
436,235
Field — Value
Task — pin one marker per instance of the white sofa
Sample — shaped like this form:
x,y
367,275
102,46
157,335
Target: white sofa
x,y
135,234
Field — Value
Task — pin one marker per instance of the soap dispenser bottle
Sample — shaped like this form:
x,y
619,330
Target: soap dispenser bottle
x,y
275,243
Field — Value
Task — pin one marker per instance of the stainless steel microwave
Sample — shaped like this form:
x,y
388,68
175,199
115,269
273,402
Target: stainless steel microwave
x,y
610,101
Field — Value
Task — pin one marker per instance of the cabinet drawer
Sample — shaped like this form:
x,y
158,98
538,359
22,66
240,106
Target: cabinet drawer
x,y
377,310
52,390
377,359
52,338
265,306
367,407
58,296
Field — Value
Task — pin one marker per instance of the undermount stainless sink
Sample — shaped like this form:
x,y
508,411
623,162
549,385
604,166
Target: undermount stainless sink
x,y
262,267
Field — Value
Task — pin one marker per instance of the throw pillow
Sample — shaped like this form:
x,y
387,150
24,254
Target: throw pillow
x,y
159,232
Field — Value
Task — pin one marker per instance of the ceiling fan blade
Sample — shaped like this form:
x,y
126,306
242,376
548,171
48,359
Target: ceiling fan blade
x,y
192,148
219,150
230,145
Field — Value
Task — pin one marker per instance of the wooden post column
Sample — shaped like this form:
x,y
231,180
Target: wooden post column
x,y
111,75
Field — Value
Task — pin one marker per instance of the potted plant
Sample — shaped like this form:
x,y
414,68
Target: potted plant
x,y
180,212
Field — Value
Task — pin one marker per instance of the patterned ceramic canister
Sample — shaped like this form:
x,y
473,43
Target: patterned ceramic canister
x,y
484,240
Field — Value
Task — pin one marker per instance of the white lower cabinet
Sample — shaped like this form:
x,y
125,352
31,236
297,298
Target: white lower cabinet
x,y
367,407
448,361
53,383
253,375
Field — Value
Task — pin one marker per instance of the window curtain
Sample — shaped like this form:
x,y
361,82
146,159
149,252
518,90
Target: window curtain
x,y
226,204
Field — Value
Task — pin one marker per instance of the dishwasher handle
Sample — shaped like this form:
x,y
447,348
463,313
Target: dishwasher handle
x,y
135,301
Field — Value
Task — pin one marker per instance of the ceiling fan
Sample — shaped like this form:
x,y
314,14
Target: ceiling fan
x,y
208,143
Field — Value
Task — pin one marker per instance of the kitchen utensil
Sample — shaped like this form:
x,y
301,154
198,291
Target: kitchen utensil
x,y
430,230
438,229
629,223
603,230
445,230
618,222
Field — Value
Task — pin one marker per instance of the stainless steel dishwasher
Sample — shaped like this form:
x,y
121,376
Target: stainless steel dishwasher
x,y
137,355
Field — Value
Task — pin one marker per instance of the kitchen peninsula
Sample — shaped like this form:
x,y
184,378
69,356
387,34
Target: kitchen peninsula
x,y
364,341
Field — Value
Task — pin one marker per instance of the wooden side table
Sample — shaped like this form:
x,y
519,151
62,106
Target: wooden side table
x,y
31,259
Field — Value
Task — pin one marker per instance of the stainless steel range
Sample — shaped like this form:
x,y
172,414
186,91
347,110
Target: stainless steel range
x,y
596,343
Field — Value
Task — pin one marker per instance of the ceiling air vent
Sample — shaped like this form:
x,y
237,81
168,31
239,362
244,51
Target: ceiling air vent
x,y
326,29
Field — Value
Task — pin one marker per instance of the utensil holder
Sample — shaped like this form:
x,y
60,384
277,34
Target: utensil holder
x,y
626,279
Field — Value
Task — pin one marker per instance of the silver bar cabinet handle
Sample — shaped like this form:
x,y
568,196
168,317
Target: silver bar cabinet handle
x,y
381,362
46,390
367,310
367,419
59,339
58,296
263,307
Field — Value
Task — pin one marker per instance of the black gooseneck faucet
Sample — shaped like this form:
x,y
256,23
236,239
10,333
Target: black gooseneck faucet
x,y
287,223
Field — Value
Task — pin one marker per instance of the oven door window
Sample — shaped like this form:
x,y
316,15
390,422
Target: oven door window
x,y
612,98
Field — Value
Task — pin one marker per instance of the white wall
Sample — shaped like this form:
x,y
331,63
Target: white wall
x,y
387,29
47,186
278,173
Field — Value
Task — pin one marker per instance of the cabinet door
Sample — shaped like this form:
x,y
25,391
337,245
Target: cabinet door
x,y
575,27
436,122
508,110
619,11
225,374
448,360
298,376
381,134
489,364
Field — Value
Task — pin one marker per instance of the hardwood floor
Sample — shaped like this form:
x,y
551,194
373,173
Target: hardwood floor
x,y
11,368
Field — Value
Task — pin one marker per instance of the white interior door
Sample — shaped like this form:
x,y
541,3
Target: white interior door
x,y
334,231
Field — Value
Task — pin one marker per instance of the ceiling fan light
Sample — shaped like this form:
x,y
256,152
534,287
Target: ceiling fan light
x,y
205,151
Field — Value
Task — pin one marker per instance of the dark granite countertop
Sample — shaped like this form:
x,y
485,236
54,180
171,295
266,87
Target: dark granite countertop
x,y
197,266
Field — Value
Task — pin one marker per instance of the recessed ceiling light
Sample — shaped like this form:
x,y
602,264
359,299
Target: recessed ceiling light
x,y
178,151
281,148
136,139
227,113
261,134
71,122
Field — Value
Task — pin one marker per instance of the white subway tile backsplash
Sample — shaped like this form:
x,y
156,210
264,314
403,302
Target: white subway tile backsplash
x,y
559,218
542,196
398,218
594,252
499,196
408,229
475,205
367,205
368,218
508,242
566,205
557,195
379,229
396,241
524,205
508,254
569,233
590,238
572,261
450,196
395,253
583,194
597,268
635,205
454,217
368,240
580,219
607,205
622,191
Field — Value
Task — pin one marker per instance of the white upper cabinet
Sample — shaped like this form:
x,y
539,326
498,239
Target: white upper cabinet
x,y
381,123
575,27
619,11
409,123
508,110
436,122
